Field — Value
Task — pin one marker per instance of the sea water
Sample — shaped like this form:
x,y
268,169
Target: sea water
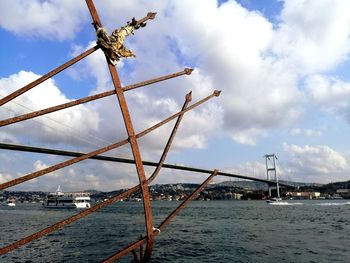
x,y
205,231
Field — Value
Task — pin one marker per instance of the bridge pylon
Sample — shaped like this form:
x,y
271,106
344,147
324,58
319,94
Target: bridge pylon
x,y
271,168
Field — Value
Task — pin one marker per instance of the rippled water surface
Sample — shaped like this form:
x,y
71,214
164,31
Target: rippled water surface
x,y
212,231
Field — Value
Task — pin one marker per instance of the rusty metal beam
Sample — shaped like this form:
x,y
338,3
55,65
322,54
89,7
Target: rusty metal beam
x,y
47,76
93,12
150,15
126,250
55,108
171,139
132,138
137,157
67,221
115,198
136,244
61,165
146,256
216,93
187,200
186,71
97,152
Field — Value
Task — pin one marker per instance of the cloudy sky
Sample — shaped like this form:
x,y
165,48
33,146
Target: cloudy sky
x,y
282,66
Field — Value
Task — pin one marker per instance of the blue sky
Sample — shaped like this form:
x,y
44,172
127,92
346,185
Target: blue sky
x,y
282,67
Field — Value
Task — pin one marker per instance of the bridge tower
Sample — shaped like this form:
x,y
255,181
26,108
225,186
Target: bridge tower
x,y
271,168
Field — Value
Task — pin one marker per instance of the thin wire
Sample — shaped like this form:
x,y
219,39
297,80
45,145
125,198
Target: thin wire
x,y
86,140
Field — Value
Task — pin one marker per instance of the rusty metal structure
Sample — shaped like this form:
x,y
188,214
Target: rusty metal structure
x,y
143,186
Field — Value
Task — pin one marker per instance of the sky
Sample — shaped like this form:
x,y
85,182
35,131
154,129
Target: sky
x,y
282,67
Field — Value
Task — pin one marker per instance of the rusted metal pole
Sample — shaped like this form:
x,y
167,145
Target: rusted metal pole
x,y
55,108
187,200
38,113
144,257
171,139
93,12
61,165
72,219
96,152
132,246
216,93
125,250
186,71
136,258
150,15
105,203
138,161
142,250
47,76
67,221
132,140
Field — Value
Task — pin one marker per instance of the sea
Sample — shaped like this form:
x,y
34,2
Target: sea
x,y
205,231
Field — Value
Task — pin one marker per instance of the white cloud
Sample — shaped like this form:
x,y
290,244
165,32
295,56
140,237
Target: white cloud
x,y
331,94
5,177
94,65
253,169
305,132
7,137
152,104
231,50
248,136
67,126
39,165
315,163
53,19
313,36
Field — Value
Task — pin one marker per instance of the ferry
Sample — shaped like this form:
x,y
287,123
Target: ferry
x,y
61,200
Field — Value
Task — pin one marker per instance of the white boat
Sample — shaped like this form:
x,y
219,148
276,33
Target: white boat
x,y
61,200
11,202
276,201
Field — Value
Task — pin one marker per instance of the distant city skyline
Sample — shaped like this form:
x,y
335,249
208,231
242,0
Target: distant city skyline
x,y
282,66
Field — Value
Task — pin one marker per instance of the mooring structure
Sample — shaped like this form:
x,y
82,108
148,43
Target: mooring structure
x,y
114,48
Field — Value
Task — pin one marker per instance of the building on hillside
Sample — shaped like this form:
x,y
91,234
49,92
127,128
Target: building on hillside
x,y
345,193
237,196
303,195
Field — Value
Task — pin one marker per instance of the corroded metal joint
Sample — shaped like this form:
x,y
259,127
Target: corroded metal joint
x,y
217,93
189,96
113,45
151,15
188,71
